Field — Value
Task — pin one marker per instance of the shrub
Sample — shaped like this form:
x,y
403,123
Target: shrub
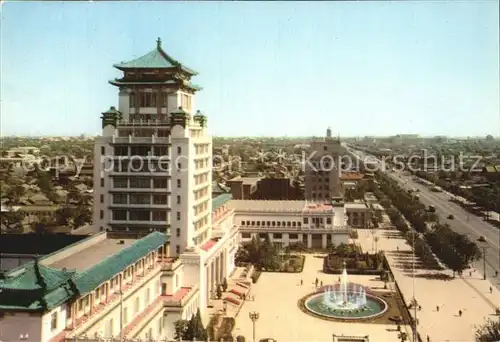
x,y
362,264
226,328
354,234
212,323
255,276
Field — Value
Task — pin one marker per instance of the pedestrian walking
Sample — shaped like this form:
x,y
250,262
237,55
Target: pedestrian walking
x,y
470,273
301,281
460,313
437,308
428,338
491,289
322,283
420,308
316,282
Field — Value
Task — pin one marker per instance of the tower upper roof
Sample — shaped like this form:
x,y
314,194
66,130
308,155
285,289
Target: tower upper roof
x,y
156,59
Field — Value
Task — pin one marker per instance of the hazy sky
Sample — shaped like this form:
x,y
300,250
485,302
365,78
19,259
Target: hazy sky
x,y
283,68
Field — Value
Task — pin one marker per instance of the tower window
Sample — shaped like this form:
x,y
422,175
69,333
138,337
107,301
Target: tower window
x,y
325,148
132,99
178,232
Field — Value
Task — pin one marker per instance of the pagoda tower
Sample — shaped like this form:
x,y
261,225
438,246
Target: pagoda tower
x,y
153,160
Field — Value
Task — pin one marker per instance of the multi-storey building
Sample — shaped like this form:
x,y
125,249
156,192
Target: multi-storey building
x,y
153,172
108,287
315,224
153,160
322,169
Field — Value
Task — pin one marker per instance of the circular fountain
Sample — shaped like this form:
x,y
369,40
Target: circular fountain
x,y
345,300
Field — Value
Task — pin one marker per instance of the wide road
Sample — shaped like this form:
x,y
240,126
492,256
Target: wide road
x,y
463,221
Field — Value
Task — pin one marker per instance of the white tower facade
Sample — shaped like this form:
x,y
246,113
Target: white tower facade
x,y
153,161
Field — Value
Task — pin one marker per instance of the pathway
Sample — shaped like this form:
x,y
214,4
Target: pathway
x,y
276,297
470,293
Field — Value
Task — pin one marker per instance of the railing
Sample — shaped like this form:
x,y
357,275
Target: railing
x,y
149,140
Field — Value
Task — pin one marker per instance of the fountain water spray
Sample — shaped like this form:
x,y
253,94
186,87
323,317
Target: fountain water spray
x,y
344,298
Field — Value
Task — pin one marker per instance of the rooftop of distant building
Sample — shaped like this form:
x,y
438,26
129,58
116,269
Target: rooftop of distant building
x,y
301,206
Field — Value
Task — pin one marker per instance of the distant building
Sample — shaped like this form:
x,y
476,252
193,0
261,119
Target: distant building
x,y
289,222
322,169
258,188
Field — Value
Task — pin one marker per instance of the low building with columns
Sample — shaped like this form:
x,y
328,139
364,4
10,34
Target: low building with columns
x,y
316,224
106,286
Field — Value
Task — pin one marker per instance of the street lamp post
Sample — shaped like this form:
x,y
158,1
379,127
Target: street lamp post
x,y
483,245
254,316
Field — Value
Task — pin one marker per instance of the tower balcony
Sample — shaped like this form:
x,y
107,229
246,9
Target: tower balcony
x,y
143,123
141,140
144,190
140,206
149,223
159,173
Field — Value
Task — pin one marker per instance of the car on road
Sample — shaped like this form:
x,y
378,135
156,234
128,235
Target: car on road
x,y
450,217
481,239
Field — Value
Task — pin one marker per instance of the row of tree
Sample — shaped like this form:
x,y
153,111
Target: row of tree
x,y
486,197
454,250
262,254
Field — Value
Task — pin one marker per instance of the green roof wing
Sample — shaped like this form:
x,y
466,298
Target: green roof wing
x,y
220,200
27,279
108,268
156,59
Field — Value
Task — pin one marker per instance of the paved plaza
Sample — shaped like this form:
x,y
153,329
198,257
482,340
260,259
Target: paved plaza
x,y
469,293
276,297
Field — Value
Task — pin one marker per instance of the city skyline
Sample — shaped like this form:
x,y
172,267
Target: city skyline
x,y
403,60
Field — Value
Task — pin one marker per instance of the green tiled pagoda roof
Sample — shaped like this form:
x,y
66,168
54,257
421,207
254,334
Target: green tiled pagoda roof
x,y
220,200
112,110
29,279
179,111
38,301
156,59
26,289
108,268
119,82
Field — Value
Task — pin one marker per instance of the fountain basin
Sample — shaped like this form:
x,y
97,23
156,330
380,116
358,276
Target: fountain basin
x,y
374,307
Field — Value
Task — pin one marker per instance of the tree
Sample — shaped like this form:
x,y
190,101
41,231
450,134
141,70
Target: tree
x,y
12,220
200,333
42,226
240,338
14,193
224,285
181,327
218,292
488,332
65,215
